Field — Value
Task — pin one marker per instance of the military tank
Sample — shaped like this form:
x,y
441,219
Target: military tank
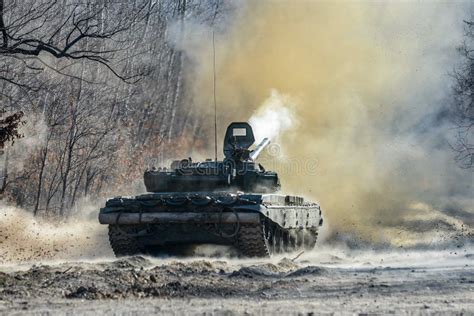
x,y
229,202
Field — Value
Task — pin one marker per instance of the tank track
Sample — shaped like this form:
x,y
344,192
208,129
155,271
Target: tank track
x,y
266,239
251,241
122,241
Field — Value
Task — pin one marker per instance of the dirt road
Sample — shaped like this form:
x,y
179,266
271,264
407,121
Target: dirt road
x,y
413,282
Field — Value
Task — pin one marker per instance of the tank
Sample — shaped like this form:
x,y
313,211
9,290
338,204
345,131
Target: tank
x,y
230,202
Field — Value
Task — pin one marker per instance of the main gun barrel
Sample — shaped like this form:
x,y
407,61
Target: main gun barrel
x,y
256,152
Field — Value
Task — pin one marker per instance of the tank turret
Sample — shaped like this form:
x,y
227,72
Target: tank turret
x,y
237,172
228,202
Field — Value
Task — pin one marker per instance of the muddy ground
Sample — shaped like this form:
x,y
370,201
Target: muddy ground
x,y
412,282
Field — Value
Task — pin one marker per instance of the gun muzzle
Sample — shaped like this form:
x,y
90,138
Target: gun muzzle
x,y
256,152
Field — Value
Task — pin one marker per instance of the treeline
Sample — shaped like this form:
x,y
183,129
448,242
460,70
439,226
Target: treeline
x,y
463,100
104,89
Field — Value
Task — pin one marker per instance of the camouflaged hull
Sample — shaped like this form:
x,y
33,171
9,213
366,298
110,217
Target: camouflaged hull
x,y
256,224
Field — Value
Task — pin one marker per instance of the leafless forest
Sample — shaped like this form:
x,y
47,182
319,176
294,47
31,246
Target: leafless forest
x,y
463,105
103,88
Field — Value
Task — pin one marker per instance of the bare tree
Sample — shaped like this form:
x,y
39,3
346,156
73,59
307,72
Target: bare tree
x,y
66,30
463,100
9,125
100,132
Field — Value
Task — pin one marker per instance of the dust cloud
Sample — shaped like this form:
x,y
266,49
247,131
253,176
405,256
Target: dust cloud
x,y
369,88
24,238
358,90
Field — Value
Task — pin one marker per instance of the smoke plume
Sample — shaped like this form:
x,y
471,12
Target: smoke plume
x,y
369,91
274,117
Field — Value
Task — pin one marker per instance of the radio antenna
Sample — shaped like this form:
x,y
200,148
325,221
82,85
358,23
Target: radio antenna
x,y
215,102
